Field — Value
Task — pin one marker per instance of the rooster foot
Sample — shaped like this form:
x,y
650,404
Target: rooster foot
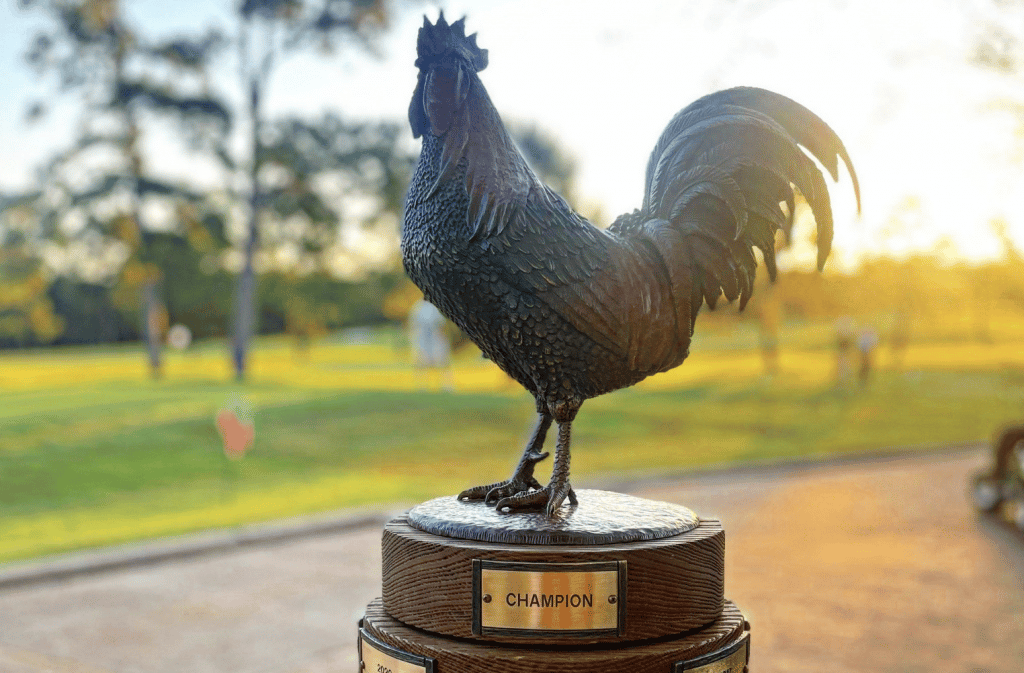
x,y
549,499
520,482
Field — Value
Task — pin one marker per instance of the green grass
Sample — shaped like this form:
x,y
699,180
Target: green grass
x,y
110,457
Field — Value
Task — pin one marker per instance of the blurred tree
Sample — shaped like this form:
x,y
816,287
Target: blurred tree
x,y
399,302
555,165
552,162
998,47
195,293
26,312
269,31
1007,276
310,305
88,313
310,170
997,44
95,191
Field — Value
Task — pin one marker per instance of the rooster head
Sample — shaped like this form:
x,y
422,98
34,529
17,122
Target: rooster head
x,y
448,62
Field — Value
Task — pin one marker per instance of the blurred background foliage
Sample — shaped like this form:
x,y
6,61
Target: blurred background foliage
x,y
285,228
110,247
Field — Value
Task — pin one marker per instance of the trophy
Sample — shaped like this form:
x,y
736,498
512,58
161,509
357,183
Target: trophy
x,y
519,576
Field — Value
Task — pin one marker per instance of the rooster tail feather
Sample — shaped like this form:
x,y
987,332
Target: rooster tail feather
x,y
669,243
715,185
807,128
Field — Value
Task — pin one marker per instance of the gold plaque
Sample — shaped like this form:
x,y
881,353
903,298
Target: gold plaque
x,y
378,657
730,659
557,599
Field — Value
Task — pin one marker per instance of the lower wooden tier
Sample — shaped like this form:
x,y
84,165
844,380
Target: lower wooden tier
x,y
388,644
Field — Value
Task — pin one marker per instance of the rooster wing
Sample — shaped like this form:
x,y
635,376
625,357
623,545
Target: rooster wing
x,y
714,187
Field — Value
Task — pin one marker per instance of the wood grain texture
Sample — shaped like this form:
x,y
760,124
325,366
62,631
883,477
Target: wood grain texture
x,y
462,656
674,584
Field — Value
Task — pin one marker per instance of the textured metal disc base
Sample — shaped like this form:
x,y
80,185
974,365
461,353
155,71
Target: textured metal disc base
x,y
601,517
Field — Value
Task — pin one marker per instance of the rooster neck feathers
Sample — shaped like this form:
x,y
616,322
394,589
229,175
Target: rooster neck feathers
x,y
451,104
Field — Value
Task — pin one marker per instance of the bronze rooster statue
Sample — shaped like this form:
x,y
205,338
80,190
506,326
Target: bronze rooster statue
x,y
571,311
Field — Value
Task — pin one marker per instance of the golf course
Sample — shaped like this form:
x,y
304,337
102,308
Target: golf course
x,y
93,452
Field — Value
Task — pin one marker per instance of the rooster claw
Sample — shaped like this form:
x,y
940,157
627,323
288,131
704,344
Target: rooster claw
x,y
520,483
510,488
477,492
492,493
548,499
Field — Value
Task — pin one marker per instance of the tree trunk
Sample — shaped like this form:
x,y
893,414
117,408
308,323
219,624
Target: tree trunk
x,y
152,327
245,295
245,311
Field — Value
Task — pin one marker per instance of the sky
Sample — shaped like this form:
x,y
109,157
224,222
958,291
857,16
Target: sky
x,y
936,154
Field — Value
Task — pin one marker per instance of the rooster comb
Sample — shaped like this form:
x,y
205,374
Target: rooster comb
x,y
440,39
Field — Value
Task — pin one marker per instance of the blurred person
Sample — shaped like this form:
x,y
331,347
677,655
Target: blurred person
x,y
157,323
845,330
768,318
430,345
866,343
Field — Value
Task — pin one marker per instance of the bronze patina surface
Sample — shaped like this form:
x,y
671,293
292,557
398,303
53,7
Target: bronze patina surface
x,y
572,311
601,517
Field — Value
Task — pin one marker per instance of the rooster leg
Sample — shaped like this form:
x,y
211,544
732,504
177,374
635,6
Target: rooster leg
x,y
551,497
522,480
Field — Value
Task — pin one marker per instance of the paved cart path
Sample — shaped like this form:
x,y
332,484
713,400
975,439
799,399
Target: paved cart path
x,y
877,566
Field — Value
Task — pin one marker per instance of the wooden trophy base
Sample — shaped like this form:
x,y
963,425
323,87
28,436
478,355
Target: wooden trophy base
x,y
720,647
615,583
